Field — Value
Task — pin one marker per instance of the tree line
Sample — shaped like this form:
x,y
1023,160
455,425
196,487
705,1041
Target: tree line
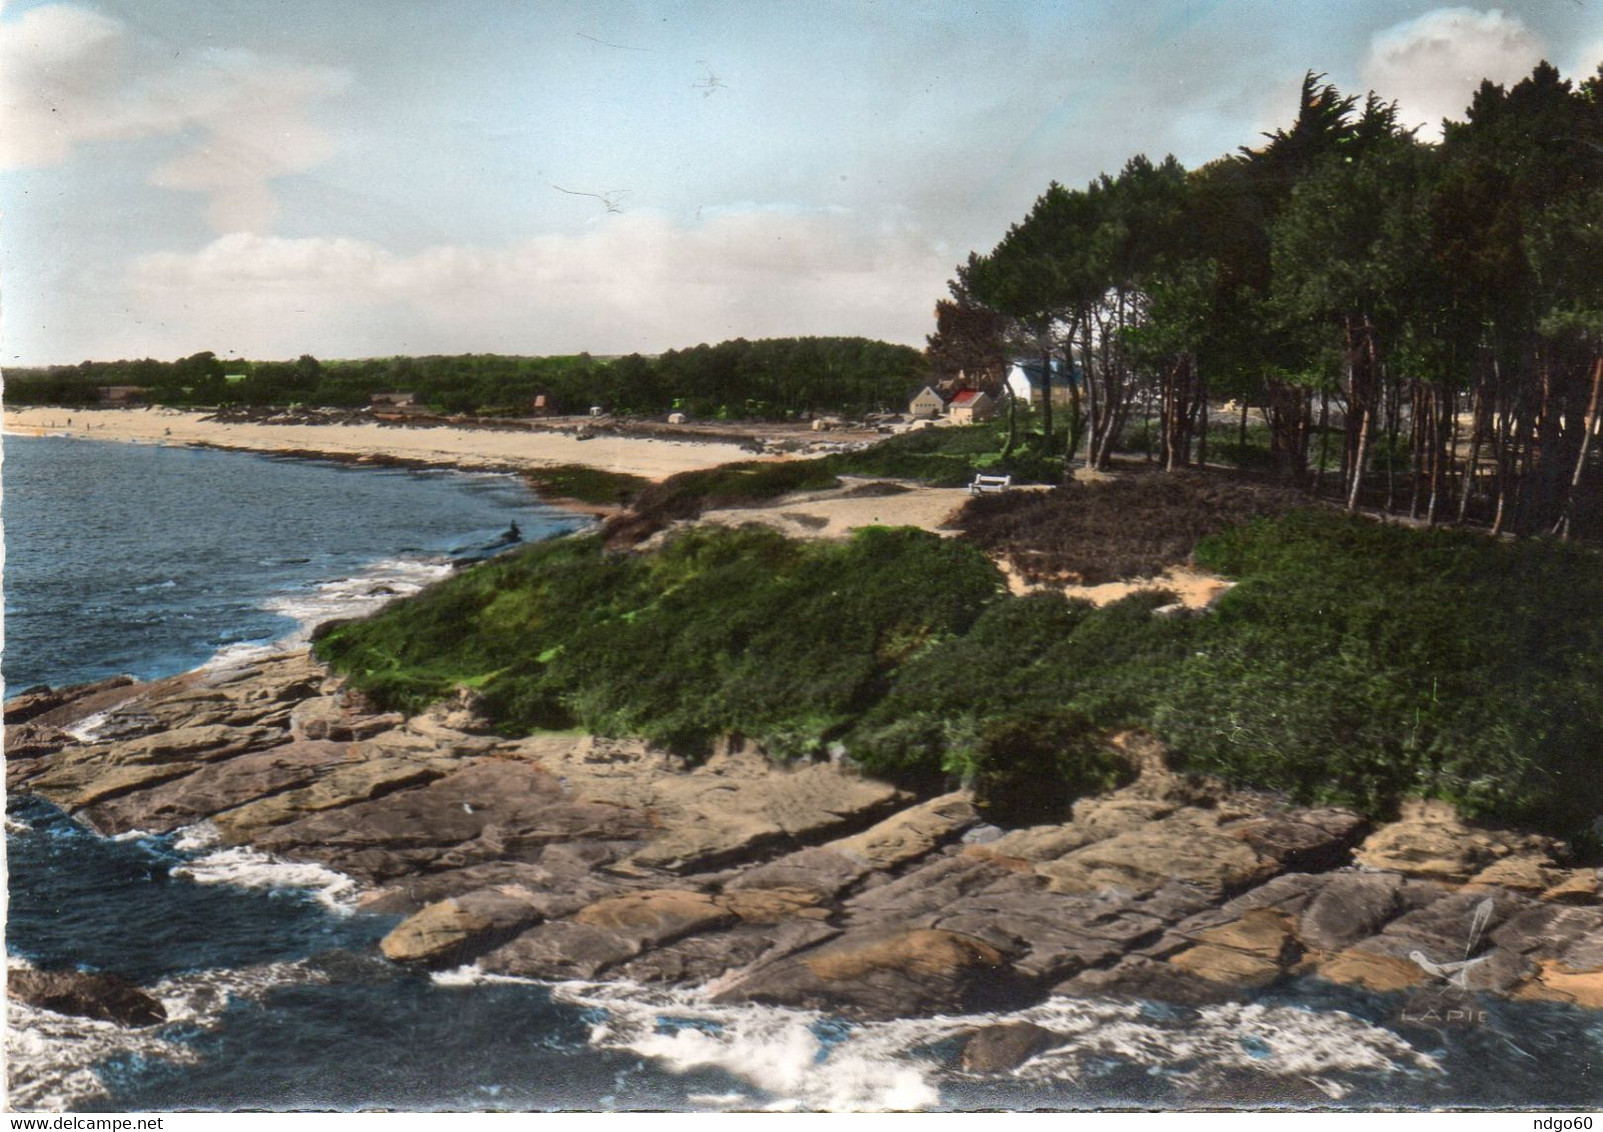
x,y
1417,326
769,378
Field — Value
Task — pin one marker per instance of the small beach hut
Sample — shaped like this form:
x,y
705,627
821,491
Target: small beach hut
x,y
926,404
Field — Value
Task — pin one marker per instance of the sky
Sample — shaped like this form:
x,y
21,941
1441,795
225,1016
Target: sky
x,y
361,178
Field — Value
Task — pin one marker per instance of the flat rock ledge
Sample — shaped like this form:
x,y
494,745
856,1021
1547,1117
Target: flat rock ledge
x,y
577,857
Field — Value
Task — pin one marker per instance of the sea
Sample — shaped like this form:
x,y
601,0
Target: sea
x,y
151,560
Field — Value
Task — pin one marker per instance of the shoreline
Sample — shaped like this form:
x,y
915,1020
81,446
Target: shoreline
x,y
565,857
561,856
431,446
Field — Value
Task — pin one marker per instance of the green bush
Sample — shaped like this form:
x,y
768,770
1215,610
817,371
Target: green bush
x,y
719,631
1352,664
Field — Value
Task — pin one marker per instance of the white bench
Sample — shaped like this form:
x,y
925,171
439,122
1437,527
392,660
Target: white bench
x,y
984,483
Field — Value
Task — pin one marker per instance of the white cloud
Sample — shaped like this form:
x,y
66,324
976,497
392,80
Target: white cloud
x,y
1433,65
69,75
1586,61
635,281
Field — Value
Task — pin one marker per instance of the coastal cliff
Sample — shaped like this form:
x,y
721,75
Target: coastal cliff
x,y
566,856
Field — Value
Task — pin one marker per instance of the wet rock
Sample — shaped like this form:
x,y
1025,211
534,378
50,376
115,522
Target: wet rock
x,y
1004,1047
702,959
110,998
454,931
884,973
1142,978
562,949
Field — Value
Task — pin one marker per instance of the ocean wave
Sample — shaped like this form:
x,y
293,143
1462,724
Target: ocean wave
x,y
243,867
803,1060
469,975
356,595
361,592
52,1059
794,1059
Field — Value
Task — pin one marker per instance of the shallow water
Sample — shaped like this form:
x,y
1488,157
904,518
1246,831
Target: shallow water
x,y
147,560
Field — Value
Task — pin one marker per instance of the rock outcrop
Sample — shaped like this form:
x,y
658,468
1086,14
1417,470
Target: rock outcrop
x,y
563,857
85,994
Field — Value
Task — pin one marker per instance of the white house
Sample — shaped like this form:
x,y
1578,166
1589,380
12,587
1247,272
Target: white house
x,y
1024,382
926,405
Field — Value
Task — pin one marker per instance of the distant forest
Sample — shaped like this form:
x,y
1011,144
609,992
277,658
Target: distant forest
x,y
769,378
1417,327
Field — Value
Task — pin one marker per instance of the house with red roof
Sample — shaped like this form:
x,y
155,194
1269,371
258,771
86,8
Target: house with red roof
x,y
970,406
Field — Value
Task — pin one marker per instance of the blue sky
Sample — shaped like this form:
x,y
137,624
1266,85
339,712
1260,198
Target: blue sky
x,y
265,178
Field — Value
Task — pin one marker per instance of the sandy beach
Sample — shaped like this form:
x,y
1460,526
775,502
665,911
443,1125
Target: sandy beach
x,y
454,447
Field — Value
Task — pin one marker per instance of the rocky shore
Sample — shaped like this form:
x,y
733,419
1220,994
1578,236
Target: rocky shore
x,y
567,856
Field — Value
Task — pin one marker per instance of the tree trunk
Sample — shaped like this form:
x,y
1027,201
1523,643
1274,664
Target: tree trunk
x,y
1562,527
1473,465
1046,396
1358,460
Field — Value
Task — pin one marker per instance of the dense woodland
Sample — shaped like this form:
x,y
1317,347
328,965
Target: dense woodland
x,y
769,378
1418,327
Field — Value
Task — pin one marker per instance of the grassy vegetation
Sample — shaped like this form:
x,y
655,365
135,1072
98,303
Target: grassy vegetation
x,y
1353,664
720,631
586,484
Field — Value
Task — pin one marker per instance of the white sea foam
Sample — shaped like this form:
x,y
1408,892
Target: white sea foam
x,y
1278,1041
50,1057
780,1052
361,593
878,1066
470,976
243,867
